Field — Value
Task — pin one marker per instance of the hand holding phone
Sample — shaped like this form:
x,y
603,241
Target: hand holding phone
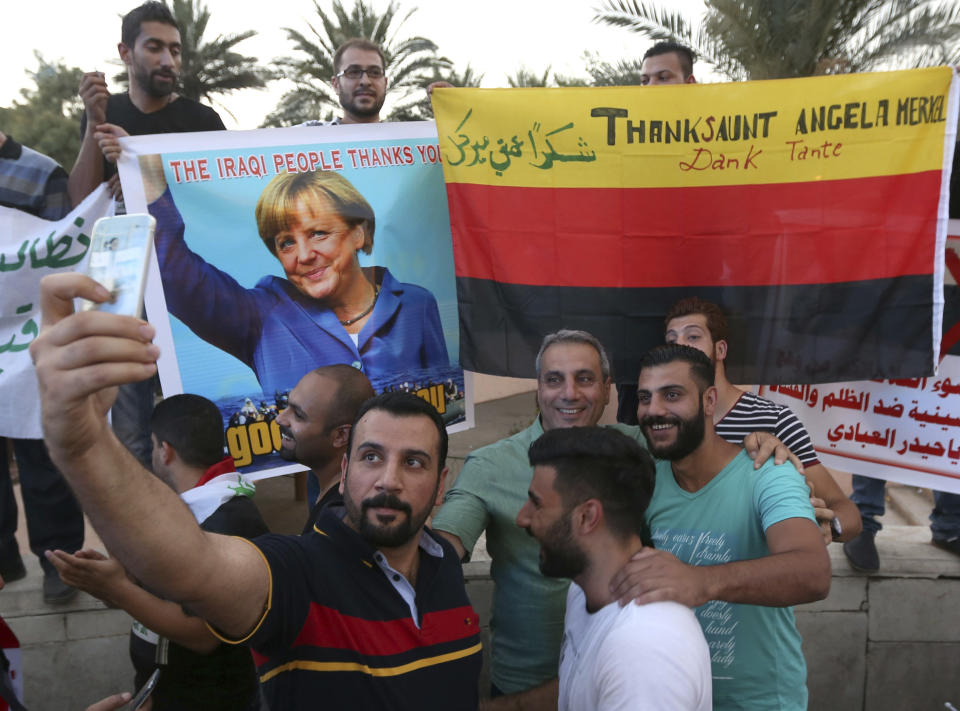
x,y
119,255
140,698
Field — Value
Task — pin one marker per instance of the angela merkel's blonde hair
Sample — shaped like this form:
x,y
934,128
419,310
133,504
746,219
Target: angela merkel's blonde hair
x,y
278,198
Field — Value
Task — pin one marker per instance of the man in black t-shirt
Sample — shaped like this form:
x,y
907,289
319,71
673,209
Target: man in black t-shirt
x,y
197,671
150,48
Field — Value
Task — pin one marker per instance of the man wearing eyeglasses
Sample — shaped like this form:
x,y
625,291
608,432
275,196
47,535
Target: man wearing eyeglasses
x,y
360,82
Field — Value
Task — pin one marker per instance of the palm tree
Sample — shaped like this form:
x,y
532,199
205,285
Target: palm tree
x,y
625,72
765,39
211,69
421,108
524,77
410,62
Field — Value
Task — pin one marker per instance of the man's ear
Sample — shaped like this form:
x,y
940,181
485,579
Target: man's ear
x,y
710,396
720,350
341,435
335,82
167,453
587,517
440,486
690,80
126,54
343,474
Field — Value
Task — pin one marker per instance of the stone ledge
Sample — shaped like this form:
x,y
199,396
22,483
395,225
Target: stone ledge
x,y
905,552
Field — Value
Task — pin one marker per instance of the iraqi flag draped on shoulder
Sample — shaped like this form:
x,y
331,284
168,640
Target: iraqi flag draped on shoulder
x,y
813,210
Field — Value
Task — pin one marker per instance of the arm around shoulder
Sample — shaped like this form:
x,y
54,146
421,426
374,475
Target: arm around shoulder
x,y
80,359
464,514
825,487
87,172
796,571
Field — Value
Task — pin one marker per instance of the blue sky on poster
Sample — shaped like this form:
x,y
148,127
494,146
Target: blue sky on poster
x,y
495,36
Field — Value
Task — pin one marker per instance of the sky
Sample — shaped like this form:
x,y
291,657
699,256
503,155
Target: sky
x,y
495,36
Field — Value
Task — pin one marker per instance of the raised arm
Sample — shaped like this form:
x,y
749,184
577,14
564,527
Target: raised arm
x,y
796,571
209,301
80,359
87,172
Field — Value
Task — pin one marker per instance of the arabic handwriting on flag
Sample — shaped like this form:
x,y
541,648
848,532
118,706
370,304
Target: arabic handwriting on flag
x,y
537,148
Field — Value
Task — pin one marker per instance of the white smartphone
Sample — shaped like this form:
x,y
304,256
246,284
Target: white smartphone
x,y
140,698
119,255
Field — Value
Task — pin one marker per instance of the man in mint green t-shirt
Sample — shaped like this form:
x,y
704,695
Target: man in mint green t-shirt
x,y
740,545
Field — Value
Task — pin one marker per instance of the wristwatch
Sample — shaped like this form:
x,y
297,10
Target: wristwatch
x,y
836,529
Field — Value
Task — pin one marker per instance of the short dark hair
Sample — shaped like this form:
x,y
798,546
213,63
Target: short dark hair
x,y
716,321
357,43
600,463
193,426
686,55
353,389
151,11
403,404
700,366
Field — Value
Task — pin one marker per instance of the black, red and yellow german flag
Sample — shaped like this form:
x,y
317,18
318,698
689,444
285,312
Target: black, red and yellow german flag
x,y
813,210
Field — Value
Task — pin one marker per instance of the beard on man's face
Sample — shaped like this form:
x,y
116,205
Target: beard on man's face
x,y
157,83
560,556
382,532
690,434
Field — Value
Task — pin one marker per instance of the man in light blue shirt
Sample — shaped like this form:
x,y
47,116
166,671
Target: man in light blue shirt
x,y
740,545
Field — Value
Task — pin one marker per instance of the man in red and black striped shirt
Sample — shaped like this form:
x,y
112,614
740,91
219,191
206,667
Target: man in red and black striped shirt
x,y
369,611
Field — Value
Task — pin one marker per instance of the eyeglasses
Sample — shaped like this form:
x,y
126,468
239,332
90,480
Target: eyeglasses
x,y
354,73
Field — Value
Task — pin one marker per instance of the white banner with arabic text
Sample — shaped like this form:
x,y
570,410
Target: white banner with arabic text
x,y
31,248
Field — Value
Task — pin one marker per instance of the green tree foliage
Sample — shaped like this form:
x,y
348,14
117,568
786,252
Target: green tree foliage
x,y
419,107
524,77
766,39
211,69
47,116
625,72
410,61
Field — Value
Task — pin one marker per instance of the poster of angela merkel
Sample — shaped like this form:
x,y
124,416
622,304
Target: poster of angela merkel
x,y
279,251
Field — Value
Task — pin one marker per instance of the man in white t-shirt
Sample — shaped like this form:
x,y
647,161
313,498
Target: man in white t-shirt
x,y
585,506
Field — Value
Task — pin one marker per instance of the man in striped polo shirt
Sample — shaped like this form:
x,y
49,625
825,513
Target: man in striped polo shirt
x,y
702,325
367,612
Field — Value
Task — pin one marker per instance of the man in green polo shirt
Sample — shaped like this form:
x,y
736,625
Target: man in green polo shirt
x,y
573,388
573,385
